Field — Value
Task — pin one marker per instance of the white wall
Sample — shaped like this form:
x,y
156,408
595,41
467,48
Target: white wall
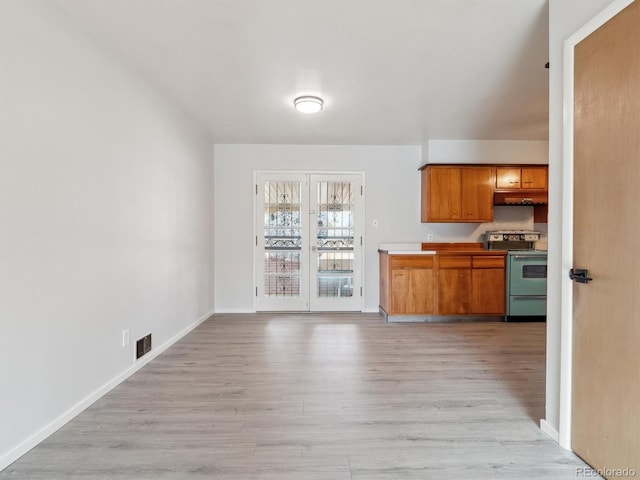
x,y
392,197
565,17
488,151
105,220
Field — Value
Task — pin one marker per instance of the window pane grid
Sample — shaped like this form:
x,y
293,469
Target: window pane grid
x,y
335,237
282,238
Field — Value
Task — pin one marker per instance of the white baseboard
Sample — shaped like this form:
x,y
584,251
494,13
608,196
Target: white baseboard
x,y
548,430
15,453
234,310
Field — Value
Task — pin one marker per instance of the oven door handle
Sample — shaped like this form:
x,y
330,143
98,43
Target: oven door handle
x,y
530,257
529,297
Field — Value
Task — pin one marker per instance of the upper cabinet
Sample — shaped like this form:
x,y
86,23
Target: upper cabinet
x,y
457,193
521,178
467,193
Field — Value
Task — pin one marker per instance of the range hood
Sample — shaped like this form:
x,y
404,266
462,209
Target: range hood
x,y
520,198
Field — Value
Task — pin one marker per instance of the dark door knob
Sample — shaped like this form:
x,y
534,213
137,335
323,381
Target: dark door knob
x,y
580,275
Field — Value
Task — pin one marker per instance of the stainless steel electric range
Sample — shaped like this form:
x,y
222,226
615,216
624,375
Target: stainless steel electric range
x,y
526,280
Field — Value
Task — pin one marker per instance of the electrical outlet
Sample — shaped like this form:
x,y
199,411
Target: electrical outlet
x,y
125,337
429,237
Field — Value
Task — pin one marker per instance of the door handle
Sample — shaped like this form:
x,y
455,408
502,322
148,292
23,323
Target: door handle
x,y
580,275
313,248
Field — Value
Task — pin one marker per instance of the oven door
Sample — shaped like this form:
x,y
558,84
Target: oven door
x,y
527,274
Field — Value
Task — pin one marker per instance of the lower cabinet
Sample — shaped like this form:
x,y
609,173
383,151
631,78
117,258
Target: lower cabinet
x,y
457,284
412,291
411,285
471,284
454,285
488,291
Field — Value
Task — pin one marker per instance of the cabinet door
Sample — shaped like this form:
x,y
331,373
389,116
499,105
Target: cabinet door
x,y
477,194
508,178
412,291
454,291
488,291
534,178
441,194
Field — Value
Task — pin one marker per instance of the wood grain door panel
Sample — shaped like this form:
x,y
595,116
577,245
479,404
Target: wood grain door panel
x,y
534,178
606,323
444,196
477,194
488,291
413,291
508,178
454,291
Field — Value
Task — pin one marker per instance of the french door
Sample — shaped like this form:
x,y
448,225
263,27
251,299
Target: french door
x,y
308,241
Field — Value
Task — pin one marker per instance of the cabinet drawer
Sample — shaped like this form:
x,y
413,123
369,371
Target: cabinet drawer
x,y
489,261
412,261
454,262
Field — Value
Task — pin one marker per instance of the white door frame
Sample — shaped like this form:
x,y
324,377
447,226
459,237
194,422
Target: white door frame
x,y
362,215
566,333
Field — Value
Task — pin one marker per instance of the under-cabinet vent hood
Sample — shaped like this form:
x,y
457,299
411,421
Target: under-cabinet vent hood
x,y
520,198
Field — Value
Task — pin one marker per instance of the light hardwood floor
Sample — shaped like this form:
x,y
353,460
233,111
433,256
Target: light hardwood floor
x,y
320,396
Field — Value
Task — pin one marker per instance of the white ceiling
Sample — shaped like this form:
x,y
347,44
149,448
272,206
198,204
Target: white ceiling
x,y
390,71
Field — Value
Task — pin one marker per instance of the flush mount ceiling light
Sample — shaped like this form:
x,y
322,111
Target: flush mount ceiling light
x,y
308,104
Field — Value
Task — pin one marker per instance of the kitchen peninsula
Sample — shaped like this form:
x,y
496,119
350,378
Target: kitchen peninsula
x,y
441,281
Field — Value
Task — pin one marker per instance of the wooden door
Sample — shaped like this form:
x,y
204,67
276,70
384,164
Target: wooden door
x,y
412,291
488,291
534,178
508,178
477,194
442,201
454,285
606,322
488,286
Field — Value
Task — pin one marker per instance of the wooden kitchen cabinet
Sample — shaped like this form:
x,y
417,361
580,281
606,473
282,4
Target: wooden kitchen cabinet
x,y
488,288
453,282
522,178
412,291
471,285
477,194
454,285
457,194
407,284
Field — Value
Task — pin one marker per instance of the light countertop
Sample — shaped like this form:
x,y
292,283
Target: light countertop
x,y
408,252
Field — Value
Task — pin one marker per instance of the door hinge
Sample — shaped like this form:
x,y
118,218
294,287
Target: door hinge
x,y
256,291
256,188
361,190
360,240
360,291
256,240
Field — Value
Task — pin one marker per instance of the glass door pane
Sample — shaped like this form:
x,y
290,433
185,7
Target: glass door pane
x,y
335,282
282,283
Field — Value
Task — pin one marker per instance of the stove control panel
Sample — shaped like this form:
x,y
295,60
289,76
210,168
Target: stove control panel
x,y
513,236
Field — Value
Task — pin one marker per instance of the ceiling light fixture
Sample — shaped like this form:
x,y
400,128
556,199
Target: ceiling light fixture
x,y
308,104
